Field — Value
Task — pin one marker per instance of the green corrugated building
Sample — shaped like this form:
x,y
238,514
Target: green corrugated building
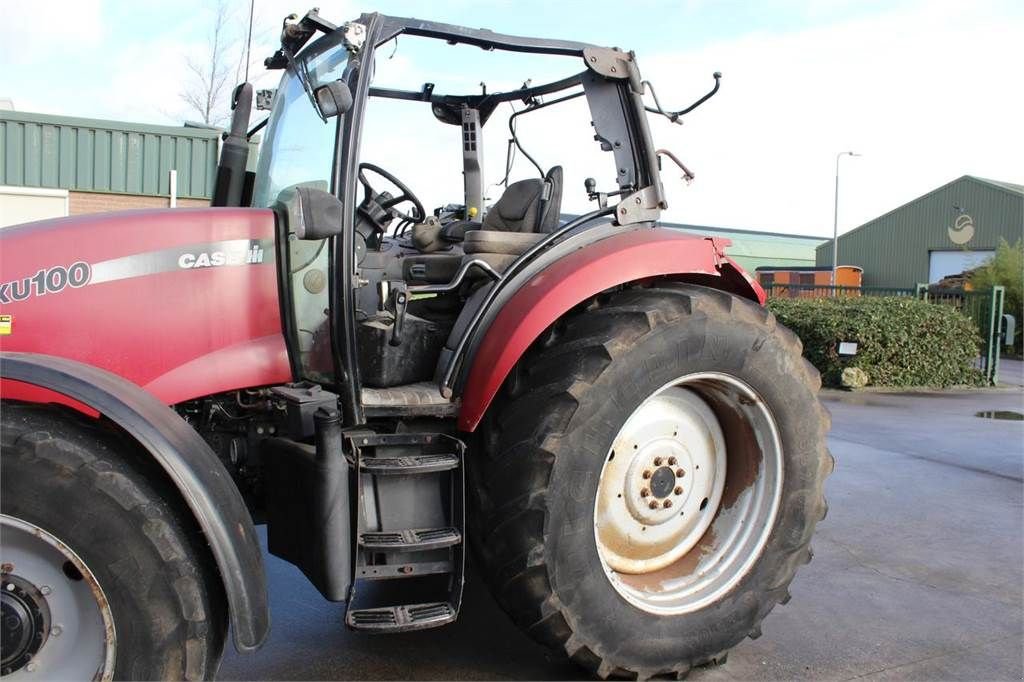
x,y
949,230
62,165
752,249
91,155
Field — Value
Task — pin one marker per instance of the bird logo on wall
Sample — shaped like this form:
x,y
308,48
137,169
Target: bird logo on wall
x,y
962,230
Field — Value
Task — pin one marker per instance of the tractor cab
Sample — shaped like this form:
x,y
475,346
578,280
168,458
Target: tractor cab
x,y
386,287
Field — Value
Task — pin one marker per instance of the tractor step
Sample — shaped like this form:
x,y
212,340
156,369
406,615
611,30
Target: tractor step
x,y
413,570
421,399
403,466
414,540
430,562
401,618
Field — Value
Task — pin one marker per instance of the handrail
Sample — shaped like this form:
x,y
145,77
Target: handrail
x,y
456,281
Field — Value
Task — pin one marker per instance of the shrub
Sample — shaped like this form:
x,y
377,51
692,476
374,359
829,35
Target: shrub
x,y
1005,268
900,341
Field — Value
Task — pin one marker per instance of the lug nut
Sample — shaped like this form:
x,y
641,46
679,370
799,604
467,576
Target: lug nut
x,y
644,492
45,590
671,461
666,504
647,474
657,461
679,490
653,505
680,473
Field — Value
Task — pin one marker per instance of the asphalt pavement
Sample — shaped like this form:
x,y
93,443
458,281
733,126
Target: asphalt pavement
x,y
917,571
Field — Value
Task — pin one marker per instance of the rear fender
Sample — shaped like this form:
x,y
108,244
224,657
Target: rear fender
x,y
622,258
202,480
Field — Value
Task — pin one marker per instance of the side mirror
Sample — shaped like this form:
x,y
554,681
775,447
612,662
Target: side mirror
x,y
333,98
311,213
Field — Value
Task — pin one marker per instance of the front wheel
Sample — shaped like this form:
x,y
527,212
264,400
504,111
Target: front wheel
x,y
104,574
652,479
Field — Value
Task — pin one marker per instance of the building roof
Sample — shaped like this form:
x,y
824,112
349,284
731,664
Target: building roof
x,y
724,231
804,268
1007,187
753,248
190,130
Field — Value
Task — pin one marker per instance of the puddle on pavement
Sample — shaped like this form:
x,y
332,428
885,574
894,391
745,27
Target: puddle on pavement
x,y
1000,414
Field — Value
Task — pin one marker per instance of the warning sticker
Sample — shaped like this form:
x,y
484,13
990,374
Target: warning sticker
x,y
5,324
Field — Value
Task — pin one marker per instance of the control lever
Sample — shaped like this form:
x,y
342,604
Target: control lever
x,y
399,302
590,185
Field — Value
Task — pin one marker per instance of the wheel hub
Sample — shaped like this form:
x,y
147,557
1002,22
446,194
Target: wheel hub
x,y
670,539
56,621
24,622
663,482
672,458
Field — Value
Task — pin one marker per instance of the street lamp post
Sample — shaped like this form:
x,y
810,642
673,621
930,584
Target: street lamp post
x,y
835,220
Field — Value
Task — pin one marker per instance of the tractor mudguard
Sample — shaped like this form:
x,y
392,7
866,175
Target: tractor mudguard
x,y
200,477
624,257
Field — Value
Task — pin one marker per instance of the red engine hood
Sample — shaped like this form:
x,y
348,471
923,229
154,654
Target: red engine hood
x,y
183,302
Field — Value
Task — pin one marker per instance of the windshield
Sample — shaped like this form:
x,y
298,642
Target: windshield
x,y
299,150
299,144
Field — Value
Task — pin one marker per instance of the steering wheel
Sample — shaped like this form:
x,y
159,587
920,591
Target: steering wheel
x,y
387,205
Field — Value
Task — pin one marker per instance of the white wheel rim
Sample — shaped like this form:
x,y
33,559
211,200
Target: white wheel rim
x,y
80,638
688,493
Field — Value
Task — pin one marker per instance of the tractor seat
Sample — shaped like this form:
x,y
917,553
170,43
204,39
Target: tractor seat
x,y
526,211
525,214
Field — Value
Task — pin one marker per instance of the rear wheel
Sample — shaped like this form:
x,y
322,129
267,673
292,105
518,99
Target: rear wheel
x,y
104,574
651,480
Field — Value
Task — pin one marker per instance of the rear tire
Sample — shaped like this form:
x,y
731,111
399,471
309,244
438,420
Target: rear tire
x,y
549,440
97,494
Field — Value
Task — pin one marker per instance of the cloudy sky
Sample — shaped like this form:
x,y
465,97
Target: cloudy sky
x,y
926,91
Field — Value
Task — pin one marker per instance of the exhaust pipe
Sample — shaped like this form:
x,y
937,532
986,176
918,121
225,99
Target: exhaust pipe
x,y
229,189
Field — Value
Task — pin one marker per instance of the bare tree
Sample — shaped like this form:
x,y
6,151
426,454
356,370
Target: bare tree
x,y
210,85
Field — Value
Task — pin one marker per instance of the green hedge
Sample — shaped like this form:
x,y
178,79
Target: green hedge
x,y
900,341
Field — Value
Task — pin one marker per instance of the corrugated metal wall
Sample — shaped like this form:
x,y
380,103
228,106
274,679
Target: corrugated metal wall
x,y
894,248
38,150
753,249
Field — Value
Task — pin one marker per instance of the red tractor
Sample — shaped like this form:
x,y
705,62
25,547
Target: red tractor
x,y
602,405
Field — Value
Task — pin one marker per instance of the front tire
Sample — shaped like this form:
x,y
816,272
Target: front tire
x,y
586,541
122,571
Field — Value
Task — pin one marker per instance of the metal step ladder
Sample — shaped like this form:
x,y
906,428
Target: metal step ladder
x,y
404,553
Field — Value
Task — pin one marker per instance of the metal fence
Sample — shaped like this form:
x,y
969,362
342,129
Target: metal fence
x,y
777,290
985,308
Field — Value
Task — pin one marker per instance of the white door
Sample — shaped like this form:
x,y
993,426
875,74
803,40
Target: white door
x,y
944,263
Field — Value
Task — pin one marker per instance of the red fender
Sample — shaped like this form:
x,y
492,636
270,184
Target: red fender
x,y
626,257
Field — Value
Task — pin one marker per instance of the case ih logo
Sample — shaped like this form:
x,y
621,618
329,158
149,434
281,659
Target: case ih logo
x,y
48,281
232,252
212,259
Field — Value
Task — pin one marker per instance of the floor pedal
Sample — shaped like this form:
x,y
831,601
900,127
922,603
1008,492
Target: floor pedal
x,y
404,466
401,618
413,540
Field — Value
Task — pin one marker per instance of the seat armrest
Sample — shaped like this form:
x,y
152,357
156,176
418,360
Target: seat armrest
x,y
456,231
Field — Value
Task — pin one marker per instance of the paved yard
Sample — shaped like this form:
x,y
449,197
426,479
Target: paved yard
x,y
917,571
1011,372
